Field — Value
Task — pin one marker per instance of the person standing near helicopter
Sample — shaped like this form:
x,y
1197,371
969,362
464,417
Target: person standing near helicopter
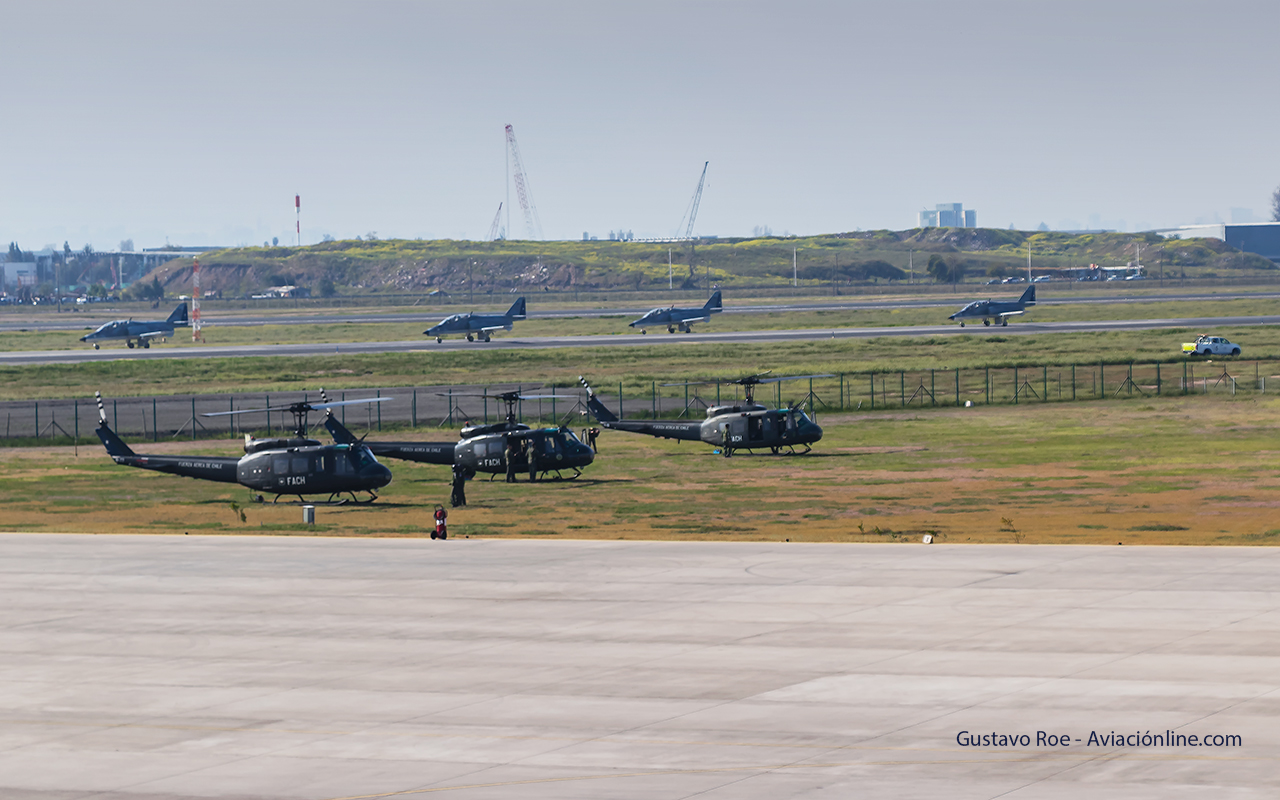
x,y
459,495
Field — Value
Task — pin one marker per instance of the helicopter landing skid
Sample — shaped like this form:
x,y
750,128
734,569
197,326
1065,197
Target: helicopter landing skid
x,y
790,450
339,501
559,475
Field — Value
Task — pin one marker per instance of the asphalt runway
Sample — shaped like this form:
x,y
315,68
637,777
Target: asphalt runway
x,y
322,668
513,341
93,317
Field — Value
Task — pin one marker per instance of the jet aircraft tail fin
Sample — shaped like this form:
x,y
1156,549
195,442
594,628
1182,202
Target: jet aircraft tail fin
x,y
179,315
713,302
598,409
517,309
1028,297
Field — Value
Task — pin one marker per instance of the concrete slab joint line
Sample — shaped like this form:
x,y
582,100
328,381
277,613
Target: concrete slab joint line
x,y
266,667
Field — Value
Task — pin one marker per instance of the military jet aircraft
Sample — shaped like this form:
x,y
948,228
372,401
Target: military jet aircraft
x,y
477,325
987,310
680,318
539,452
143,333
285,466
743,426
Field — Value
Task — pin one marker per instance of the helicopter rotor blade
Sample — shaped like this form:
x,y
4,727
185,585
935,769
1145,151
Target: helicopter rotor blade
x,y
298,408
793,378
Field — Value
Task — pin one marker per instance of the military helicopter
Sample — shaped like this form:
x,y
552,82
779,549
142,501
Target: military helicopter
x,y
742,426
483,448
286,466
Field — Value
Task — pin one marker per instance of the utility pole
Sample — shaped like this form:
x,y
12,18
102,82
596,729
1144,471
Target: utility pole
x,y
671,281
506,172
795,273
911,266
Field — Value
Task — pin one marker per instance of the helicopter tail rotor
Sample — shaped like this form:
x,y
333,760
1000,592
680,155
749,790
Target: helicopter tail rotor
x,y
598,409
116,448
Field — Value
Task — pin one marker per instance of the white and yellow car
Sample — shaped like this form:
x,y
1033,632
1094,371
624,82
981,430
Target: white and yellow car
x,y
1205,345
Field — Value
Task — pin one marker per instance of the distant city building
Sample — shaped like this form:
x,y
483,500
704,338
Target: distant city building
x,y
949,215
16,274
1262,238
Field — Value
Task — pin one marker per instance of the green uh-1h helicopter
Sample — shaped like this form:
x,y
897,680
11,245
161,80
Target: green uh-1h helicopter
x,y
742,426
540,452
285,466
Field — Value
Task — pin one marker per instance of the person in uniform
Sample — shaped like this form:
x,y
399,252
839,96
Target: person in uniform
x,y
512,452
459,496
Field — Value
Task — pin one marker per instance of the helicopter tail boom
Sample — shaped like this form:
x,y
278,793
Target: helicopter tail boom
x,y
683,429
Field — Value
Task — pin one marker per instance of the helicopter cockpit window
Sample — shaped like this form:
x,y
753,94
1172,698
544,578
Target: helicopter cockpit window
x,y
480,449
571,436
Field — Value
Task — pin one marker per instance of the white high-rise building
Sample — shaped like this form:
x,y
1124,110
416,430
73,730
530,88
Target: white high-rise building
x,y
949,215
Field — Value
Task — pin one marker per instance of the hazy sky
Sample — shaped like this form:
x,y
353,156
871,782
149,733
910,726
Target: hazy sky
x,y
199,121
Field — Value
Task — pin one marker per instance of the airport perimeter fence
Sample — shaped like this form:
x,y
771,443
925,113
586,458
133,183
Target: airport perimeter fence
x,y
155,419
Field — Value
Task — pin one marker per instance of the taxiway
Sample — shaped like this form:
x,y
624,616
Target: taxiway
x,y
320,668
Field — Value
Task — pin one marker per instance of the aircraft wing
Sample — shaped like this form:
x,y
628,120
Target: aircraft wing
x,y
698,318
490,328
1011,313
155,334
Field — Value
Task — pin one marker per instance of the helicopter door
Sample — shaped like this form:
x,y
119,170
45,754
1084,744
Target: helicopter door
x,y
755,429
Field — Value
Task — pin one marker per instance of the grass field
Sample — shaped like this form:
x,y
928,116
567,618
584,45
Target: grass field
x,y
1172,470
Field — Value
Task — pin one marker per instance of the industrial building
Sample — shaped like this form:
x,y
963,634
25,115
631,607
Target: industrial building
x,y
1262,238
949,215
